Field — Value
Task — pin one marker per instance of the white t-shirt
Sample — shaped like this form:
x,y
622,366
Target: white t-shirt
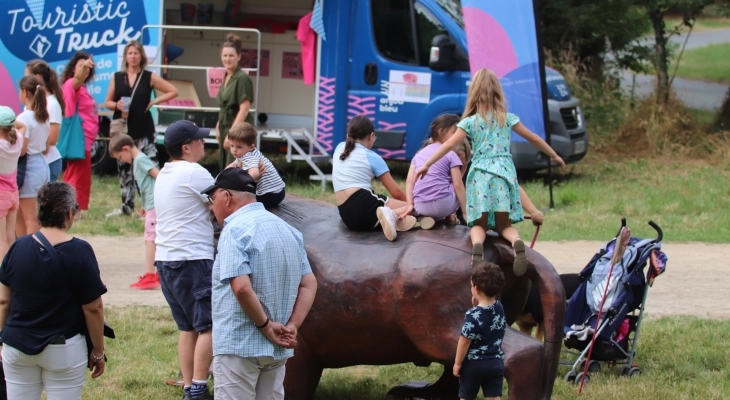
x,y
55,116
35,133
358,169
184,229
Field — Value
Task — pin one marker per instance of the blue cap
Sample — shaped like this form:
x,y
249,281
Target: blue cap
x,y
181,131
7,116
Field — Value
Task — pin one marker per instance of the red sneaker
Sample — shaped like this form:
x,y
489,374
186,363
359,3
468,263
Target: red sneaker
x,y
147,281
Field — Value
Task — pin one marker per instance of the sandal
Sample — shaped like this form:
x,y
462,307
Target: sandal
x,y
477,253
520,265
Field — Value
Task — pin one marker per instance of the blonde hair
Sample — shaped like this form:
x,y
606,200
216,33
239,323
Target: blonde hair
x,y
464,146
486,97
11,132
143,56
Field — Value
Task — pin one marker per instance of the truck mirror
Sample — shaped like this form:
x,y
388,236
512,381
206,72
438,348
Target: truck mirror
x,y
442,58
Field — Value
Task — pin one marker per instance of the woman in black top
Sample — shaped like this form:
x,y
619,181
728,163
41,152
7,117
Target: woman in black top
x,y
140,125
49,304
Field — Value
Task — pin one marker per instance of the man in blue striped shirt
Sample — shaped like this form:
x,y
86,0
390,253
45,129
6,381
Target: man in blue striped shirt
x,y
263,288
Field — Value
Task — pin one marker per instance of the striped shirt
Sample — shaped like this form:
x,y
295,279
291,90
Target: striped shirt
x,y
259,244
270,181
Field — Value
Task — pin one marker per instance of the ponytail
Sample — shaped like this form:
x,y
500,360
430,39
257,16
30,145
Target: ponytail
x,y
50,80
12,134
349,147
33,85
358,128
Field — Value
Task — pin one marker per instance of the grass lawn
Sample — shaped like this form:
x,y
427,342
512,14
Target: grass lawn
x,y
689,200
711,63
680,358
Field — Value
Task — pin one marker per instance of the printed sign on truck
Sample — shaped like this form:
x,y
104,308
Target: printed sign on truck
x,y
54,30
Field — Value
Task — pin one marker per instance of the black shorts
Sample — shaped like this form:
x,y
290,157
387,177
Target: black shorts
x,y
487,374
186,286
359,212
270,200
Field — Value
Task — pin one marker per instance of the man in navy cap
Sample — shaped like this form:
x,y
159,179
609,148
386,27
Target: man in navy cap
x,y
263,288
184,255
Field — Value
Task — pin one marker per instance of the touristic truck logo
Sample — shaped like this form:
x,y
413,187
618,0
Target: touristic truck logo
x,y
56,29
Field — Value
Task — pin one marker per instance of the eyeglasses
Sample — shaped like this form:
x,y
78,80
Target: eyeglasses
x,y
212,197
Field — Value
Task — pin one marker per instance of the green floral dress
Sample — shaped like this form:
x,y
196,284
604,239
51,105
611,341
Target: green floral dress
x,y
491,185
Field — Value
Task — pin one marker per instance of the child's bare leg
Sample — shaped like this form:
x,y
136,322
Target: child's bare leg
x,y
478,235
150,257
510,233
400,207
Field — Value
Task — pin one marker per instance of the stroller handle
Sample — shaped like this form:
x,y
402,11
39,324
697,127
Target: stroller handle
x,y
658,230
623,225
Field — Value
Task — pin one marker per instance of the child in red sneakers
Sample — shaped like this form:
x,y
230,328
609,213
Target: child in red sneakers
x,y
122,148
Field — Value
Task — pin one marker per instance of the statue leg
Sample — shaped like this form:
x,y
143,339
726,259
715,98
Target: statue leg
x,y
445,388
302,373
522,365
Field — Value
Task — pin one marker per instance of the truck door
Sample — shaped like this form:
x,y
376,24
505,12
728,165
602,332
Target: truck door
x,y
393,84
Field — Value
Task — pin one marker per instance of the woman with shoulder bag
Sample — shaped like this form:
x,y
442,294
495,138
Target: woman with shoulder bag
x,y
135,84
50,300
78,72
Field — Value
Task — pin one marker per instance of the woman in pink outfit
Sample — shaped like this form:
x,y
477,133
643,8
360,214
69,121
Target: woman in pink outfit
x,y
78,72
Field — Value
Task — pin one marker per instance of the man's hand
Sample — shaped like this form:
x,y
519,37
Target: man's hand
x,y
262,169
278,334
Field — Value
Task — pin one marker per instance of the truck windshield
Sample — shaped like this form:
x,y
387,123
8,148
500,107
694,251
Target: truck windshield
x,y
453,8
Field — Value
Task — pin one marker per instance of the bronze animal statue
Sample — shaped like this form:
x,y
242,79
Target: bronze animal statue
x,y
381,303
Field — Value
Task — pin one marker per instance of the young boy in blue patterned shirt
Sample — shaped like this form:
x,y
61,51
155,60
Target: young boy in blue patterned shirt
x,y
479,356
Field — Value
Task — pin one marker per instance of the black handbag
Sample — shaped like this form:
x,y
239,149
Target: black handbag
x,y
108,330
20,175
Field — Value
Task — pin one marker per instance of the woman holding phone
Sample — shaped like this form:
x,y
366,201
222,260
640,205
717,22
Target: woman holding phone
x,y
78,72
130,97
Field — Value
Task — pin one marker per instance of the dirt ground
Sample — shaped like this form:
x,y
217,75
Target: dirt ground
x,y
695,283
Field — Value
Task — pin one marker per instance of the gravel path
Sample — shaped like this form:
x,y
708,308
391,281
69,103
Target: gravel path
x,y
695,282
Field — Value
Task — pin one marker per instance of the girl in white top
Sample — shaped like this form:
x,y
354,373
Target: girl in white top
x,y
10,146
353,168
33,125
55,106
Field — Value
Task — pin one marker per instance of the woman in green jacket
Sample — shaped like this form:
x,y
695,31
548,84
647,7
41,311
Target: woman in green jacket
x,y
234,97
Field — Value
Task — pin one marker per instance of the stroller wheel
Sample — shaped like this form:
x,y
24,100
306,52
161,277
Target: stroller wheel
x,y
579,377
593,366
634,372
570,377
625,371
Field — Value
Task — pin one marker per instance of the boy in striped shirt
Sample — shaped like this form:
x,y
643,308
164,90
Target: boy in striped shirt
x,y
269,186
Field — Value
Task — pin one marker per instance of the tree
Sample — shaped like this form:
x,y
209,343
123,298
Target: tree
x,y
593,28
656,10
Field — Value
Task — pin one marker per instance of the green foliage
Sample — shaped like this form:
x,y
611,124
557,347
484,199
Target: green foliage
x,y
680,358
711,63
590,28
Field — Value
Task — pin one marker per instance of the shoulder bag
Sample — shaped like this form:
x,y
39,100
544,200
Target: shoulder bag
x,y
71,139
108,331
119,125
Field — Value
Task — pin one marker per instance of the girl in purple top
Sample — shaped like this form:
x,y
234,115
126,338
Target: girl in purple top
x,y
439,194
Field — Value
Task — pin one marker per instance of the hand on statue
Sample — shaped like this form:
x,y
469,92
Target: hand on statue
x,y
407,212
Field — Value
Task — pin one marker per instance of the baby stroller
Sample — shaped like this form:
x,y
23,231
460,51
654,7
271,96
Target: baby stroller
x,y
617,332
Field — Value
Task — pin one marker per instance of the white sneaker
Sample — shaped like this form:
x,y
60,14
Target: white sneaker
x,y
115,213
388,219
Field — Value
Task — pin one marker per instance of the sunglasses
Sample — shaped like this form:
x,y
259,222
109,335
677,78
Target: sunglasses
x,y
193,140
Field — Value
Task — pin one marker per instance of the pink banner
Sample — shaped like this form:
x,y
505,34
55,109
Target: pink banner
x,y
214,78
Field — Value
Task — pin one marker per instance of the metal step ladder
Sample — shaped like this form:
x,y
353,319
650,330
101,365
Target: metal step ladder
x,y
315,153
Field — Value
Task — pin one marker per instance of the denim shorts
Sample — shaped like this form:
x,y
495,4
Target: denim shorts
x,y
37,174
186,286
487,374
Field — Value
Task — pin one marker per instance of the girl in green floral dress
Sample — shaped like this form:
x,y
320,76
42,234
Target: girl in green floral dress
x,y
492,193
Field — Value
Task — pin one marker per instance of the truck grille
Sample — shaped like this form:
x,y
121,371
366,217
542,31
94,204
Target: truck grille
x,y
570,117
